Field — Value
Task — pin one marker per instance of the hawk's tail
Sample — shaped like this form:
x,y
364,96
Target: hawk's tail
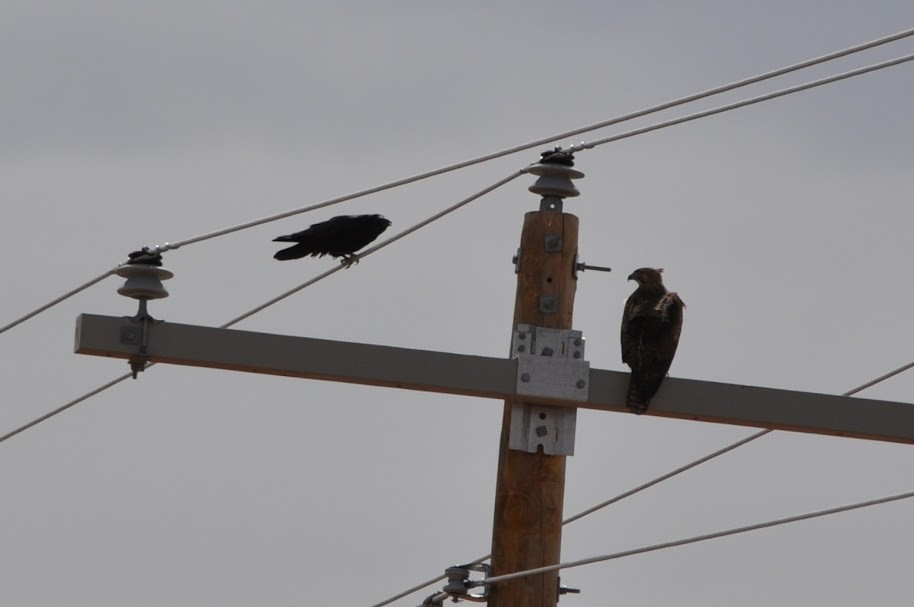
x,y
641,389
634,400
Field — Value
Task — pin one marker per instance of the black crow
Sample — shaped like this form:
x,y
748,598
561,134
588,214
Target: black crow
x,y
340,236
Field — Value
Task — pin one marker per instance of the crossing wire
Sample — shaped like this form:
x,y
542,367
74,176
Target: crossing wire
x,y
552,138
576,147
746,102
655,481
282,296
54,302
692,540
63,408
505,152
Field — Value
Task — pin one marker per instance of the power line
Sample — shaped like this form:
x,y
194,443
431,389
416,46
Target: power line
x,y
434,218
751,101
379,246
879,379
695,539
667,476
63,408
589,145
657,480
550,139
512,150
284,295
54,302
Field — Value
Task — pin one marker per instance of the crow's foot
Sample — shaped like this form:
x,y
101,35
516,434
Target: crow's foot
x,y
349,259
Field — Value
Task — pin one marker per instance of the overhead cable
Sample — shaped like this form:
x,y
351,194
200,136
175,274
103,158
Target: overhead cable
x,y
738,104
378,246
549,139
719,452
284,295
54,302
505,152
691,540
655,481
63,408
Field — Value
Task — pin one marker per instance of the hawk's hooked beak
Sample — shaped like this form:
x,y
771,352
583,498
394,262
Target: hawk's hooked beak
x,y
632,276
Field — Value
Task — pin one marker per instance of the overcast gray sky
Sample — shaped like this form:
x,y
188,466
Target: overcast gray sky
x,y
786,228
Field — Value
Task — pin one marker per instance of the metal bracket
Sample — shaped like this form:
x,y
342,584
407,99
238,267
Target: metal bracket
x,y
548,427
550,363
551,203
138,336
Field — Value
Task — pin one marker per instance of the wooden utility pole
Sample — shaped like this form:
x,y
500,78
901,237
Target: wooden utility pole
x,y
530,487
529,492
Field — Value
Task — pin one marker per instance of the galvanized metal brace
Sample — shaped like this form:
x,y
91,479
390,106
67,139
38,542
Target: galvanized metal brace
x,y
550,364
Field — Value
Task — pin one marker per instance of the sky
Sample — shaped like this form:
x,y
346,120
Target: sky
x,y
785,227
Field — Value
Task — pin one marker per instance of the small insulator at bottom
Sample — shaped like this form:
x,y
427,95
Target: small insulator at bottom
x,y
459,583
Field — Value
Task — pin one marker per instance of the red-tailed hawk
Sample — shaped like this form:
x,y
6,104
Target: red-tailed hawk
x,y
651,325
340,236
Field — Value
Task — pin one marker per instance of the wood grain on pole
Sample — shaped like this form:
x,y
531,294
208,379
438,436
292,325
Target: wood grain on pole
x,y
527,528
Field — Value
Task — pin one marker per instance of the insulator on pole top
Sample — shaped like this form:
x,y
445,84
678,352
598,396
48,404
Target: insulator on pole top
x,y
555,173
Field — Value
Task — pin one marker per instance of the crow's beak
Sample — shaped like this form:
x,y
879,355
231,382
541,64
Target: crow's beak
x,y
631,276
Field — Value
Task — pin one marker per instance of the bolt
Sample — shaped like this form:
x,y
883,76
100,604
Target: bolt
x,y
577,354
581,383
567,590
577,342
553,243
541,431
525,377
521,348
549,304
